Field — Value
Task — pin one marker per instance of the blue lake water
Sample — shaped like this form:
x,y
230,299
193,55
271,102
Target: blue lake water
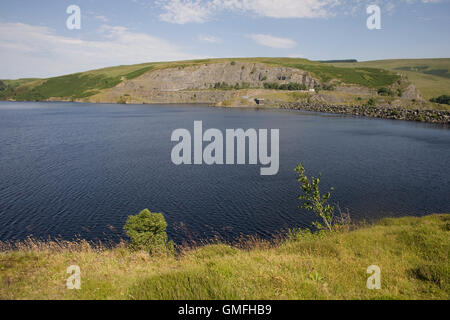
x,y
80,169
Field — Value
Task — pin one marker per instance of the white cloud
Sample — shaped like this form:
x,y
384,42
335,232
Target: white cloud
x,y
181,11
387,6
209,38
200,11
272,41
289,8
36,51
102,18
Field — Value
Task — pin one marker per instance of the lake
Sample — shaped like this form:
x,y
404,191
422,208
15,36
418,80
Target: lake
x,y
71,170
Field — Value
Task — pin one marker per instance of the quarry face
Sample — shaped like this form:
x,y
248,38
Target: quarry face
x,y
207,75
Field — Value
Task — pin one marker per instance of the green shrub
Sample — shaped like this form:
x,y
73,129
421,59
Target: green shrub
x,y
328,87
147,231
223,86
420,118
444,99
226,86
385,92
291,86
122,100
271,85
371,102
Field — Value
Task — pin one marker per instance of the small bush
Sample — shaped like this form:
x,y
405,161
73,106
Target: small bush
x,y
226,86
269,85
385,92
328,87
147,231
371,102
444,99
122,100
291,86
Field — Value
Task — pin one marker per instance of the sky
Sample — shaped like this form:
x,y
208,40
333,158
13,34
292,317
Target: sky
x,y
36,42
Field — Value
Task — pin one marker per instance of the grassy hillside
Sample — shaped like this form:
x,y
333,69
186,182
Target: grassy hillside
x,y
364,76
80,85
431,76
413,254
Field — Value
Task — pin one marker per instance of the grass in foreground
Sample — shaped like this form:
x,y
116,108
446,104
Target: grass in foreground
x,y
411,252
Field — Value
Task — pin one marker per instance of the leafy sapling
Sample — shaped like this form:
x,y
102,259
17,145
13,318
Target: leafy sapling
x,y
313,200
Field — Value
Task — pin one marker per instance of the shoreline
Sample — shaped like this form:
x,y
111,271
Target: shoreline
x,y
302,265
415,115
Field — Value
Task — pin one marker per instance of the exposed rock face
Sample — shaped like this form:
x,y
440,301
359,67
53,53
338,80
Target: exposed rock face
x,y
156,86
411,93
205,76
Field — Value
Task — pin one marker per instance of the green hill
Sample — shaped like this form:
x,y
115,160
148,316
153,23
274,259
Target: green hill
x,y
431,76
81,85
385,83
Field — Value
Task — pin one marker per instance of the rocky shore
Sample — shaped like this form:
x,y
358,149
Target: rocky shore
x,y
431,116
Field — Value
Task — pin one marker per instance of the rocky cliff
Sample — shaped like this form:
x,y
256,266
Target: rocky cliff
x,y
186,84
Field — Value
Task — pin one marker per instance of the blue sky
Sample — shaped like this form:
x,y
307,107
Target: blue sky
x,y
35,42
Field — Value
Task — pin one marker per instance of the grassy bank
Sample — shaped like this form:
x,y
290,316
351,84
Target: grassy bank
x,y
411,252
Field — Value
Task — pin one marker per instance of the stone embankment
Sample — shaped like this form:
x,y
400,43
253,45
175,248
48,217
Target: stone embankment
x,y
431,116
